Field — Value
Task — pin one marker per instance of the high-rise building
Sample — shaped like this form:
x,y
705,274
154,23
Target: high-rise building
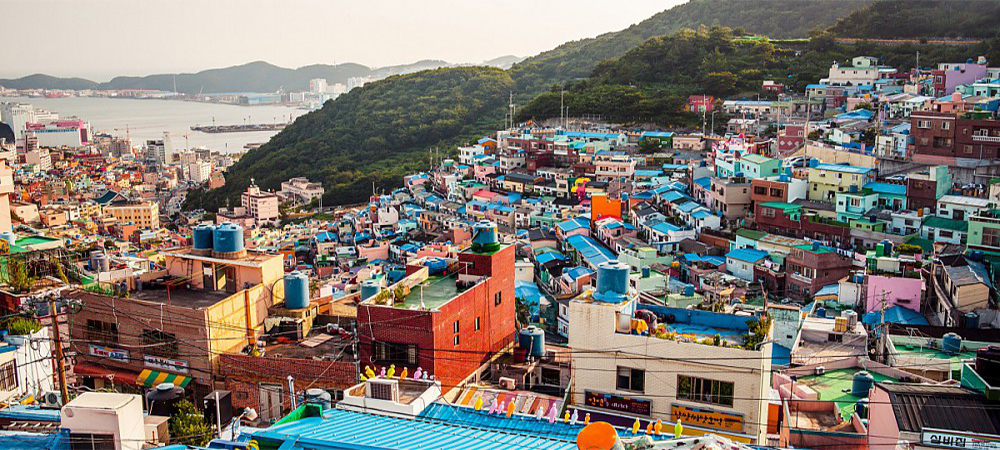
x,y
318,86
17,115
261,205
161,150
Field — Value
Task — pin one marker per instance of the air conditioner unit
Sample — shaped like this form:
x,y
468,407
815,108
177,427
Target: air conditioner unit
x,y
508,383
51,399
383,389
820,370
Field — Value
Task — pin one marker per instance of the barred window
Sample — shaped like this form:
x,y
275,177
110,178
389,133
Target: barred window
x,y
159,343
102,332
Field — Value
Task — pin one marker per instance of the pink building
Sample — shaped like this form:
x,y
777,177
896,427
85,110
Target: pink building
x,y
948,76
893,291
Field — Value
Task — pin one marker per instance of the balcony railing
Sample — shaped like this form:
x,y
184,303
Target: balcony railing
x,y
981,138
800,278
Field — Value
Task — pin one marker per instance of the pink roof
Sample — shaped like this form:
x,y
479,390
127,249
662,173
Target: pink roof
x,y
486,194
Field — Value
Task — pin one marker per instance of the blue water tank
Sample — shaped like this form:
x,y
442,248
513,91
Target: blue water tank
x,y
11,238
369,289
862,383
951,343
532,339
861,407
971,320
484,237
689,290
612,278
227,238
436,266
296,290
203,237
645,272
821,312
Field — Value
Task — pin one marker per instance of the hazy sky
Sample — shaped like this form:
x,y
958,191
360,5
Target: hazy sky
x,y
98,39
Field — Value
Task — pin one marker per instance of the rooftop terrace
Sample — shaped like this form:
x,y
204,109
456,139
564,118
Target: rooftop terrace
x,y
835,386
431,293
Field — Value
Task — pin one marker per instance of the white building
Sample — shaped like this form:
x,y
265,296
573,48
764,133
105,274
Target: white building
x,y
301,190
199,171
318,86
864,70
621,372
26,365
17,115
161,150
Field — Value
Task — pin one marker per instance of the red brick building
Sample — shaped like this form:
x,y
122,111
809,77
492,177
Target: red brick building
x,y
946,135
262,382
449,325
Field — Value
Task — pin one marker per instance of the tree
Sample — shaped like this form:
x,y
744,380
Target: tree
x,y
815,135
720,83
649,146
188,426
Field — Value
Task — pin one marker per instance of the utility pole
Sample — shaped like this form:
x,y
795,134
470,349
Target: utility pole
x,y
58,355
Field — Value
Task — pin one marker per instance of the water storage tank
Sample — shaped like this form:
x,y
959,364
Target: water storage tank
x,y
436,266
533,340
203,239
612,281
484,237
319,397
861,407
862,383
11,238
971,320
645,272
821,312
99,261
369,289
296,290
951,343
689,290
227,241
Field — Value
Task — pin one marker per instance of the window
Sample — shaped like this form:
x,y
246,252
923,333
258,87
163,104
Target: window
x,y
630,379
159,343
456,340
103,332
497,298
767,212
8,376
923,124
945,125
87,441
477,324
455,326
388,352
967,149
760,190
704,390
947,234
834,337
991,237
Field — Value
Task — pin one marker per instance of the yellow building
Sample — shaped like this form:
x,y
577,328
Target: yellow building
x,y
145,214
826,180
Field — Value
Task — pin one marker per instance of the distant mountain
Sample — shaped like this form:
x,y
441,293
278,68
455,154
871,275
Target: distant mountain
x,y
257,76
503,62
888,19
38,80
373,134
774,18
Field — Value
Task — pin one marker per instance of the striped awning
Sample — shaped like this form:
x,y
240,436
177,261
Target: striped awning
x,y
152,378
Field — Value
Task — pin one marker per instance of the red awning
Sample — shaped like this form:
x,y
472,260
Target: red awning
x,y
114,375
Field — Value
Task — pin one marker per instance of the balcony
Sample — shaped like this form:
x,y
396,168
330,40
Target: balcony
x,y
981,138
800,278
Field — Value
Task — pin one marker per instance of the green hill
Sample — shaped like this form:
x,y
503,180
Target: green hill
x,y
651,82
38,81
376,133
889,19
775,18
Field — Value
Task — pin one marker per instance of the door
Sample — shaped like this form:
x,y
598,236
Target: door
x,y
270,402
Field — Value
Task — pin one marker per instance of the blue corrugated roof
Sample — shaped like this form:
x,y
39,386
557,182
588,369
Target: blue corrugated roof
x,y
844,168
591,251
895,314
33,413
516,423
887,188
747,254
342,429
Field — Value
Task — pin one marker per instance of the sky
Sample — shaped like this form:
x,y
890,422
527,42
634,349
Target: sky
x,y
100,39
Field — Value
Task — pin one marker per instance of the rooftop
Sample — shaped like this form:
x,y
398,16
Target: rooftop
x,y
179,295
431,293
835,386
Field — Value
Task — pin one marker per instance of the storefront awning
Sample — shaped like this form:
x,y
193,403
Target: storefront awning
x,y
152,378
114,375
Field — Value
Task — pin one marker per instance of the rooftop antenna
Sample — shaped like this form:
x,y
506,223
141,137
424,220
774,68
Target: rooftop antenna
x,y
511,107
